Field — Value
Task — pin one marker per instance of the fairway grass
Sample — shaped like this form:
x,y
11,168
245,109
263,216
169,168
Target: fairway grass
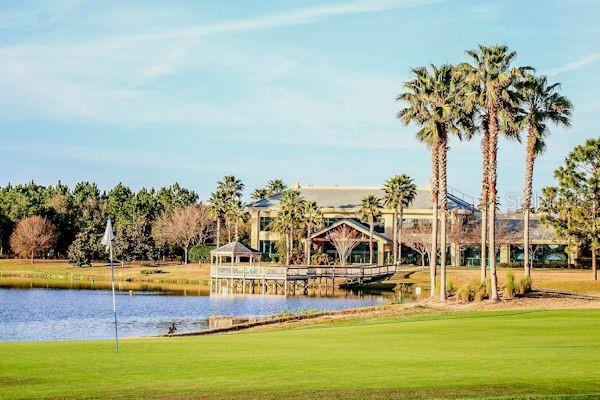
x,y
472,354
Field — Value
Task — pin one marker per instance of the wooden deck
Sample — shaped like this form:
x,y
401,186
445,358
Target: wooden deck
x,y
279,280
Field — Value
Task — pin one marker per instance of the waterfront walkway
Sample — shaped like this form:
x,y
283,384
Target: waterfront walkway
x,y
280,280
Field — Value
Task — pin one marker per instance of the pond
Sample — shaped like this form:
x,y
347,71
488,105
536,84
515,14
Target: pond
x,y
56,314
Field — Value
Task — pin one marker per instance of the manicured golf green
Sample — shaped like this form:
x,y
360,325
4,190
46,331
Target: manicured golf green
x,y
509,354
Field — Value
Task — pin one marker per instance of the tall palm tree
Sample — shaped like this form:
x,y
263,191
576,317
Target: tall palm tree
x,y
260,194
276,186
435,101
218,207
289,219
231,187
391,199
370,210
494,78
283,223
541,103
484,194
237,214
312,218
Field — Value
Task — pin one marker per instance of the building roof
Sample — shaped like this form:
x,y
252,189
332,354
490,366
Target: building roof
x,y
350,197
537,230
234,249
354,224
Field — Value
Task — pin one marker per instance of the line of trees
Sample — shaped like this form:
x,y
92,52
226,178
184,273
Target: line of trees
x,y
487,95
572,207
59,222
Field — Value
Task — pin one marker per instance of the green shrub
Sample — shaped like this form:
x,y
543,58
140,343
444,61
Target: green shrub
x,y
450,289
150,271
464,294
200,253
481,291
321,259
509,285
523,286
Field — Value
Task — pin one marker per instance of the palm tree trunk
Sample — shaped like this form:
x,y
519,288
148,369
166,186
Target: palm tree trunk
x,y
218,232
400,223
484,193
594,266
287,248
370,242
237,230
493,150
530,158
434,222
443,149
307,245
395,237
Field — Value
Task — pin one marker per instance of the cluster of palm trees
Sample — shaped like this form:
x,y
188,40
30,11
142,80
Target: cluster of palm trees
x,y
399,192
491,96
225,205
274,187
297,219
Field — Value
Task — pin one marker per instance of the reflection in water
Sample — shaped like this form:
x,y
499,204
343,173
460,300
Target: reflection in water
x,y
45,314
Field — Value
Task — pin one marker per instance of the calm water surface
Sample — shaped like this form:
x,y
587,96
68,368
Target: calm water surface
x,y
49,314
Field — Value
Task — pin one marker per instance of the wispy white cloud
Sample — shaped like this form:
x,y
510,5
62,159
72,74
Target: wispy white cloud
x,y
287,18
282,95
574,65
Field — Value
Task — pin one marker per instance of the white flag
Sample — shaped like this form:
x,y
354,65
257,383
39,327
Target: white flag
x,y
108,235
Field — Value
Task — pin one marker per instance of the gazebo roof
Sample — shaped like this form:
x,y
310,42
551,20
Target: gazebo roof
x,y
235,249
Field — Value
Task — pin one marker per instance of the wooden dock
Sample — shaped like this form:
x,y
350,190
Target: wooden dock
x,y
288,279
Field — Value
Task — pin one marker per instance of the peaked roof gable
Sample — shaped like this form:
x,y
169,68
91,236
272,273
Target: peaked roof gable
x,y
353,224
234,248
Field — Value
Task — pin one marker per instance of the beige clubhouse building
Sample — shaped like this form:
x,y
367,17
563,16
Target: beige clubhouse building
x,y
341,205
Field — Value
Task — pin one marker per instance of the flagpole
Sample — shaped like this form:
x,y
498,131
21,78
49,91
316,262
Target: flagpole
x,y
112,270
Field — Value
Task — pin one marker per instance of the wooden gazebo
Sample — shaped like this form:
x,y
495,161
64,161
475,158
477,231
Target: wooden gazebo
x,y
235,251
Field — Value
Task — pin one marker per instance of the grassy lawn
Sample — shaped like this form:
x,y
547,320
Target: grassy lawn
x,y
170,277
568,280
509,354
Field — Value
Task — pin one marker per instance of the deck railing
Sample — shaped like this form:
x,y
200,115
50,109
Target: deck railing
x,y
303,272
240,272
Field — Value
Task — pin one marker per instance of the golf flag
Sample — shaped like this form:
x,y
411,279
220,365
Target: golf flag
x,y
107,241
108,235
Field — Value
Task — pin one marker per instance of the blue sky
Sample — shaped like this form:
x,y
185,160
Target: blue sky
x,y
152,93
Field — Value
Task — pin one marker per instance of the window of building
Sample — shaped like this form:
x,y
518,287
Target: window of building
x,y
266,224
269,249
380,225
327,222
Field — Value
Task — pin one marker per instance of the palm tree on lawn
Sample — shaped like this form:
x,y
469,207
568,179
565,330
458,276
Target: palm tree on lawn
x,y
541,103
237,214
231,187
312,219
494,79
275,187
289,219
391,199
260,194
217,207
435,101
370,210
